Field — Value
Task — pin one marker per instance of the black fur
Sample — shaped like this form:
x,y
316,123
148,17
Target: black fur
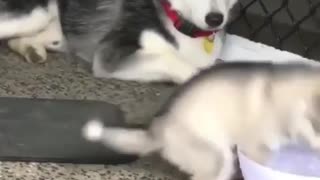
x,y
20,7
123,40
112,32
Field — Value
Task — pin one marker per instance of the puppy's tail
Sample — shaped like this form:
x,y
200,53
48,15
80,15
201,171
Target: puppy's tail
x,y
128,141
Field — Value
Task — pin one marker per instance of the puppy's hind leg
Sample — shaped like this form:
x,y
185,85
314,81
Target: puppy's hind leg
x,y
222,169
305,130
197,158
303,126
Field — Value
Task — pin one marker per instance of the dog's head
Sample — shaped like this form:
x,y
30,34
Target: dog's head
x,y
206,14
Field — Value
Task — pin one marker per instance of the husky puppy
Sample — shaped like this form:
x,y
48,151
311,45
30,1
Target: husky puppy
x,y
141,40
255,107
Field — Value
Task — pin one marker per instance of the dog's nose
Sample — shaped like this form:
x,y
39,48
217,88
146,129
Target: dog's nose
x,y
214,19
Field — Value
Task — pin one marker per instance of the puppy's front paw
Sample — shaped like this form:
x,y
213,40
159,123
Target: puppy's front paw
x,y
260,154
315,143
32,52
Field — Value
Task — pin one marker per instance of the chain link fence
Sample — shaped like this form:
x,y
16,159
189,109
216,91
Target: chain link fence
x,y
291,25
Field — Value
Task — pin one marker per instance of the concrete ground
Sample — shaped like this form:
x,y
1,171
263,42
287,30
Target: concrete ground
x,y
69,79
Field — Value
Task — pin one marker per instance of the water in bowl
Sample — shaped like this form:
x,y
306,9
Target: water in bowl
x,y
296,159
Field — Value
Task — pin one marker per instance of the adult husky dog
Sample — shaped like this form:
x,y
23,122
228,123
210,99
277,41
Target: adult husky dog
x,y
139,40
255,107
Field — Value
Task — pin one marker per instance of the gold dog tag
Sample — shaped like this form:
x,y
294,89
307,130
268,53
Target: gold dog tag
x,y
208,45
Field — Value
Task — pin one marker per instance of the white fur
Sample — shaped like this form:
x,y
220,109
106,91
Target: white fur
x,y
29,48
93,131
52,37
196,11
30,24
157,60
49,38
217,113
191,49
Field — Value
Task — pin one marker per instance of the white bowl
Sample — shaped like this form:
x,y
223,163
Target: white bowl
x,y
254,171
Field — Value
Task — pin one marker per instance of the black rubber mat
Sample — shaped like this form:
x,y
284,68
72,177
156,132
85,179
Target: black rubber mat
x,y
43,130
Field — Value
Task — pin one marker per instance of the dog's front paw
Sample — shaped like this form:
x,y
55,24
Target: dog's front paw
x,y
36,54
31,51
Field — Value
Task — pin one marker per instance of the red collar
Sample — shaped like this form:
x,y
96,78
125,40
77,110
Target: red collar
x,y
182,25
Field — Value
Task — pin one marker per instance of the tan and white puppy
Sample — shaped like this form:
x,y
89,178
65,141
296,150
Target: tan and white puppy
x,y
255,107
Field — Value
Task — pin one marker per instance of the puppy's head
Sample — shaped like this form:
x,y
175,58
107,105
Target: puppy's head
x,y
206,14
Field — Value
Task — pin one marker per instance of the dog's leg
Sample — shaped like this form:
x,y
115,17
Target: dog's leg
x,y
156,61
29,23
33,48
153,68
31,51
32,23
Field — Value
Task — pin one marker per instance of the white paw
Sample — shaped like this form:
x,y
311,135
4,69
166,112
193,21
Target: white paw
x,y
36,54
52,37
34,47
33,52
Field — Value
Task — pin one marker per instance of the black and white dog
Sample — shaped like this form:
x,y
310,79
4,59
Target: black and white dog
x,y
137,40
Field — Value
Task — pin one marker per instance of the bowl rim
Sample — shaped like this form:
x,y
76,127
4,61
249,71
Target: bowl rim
x,y
242,157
